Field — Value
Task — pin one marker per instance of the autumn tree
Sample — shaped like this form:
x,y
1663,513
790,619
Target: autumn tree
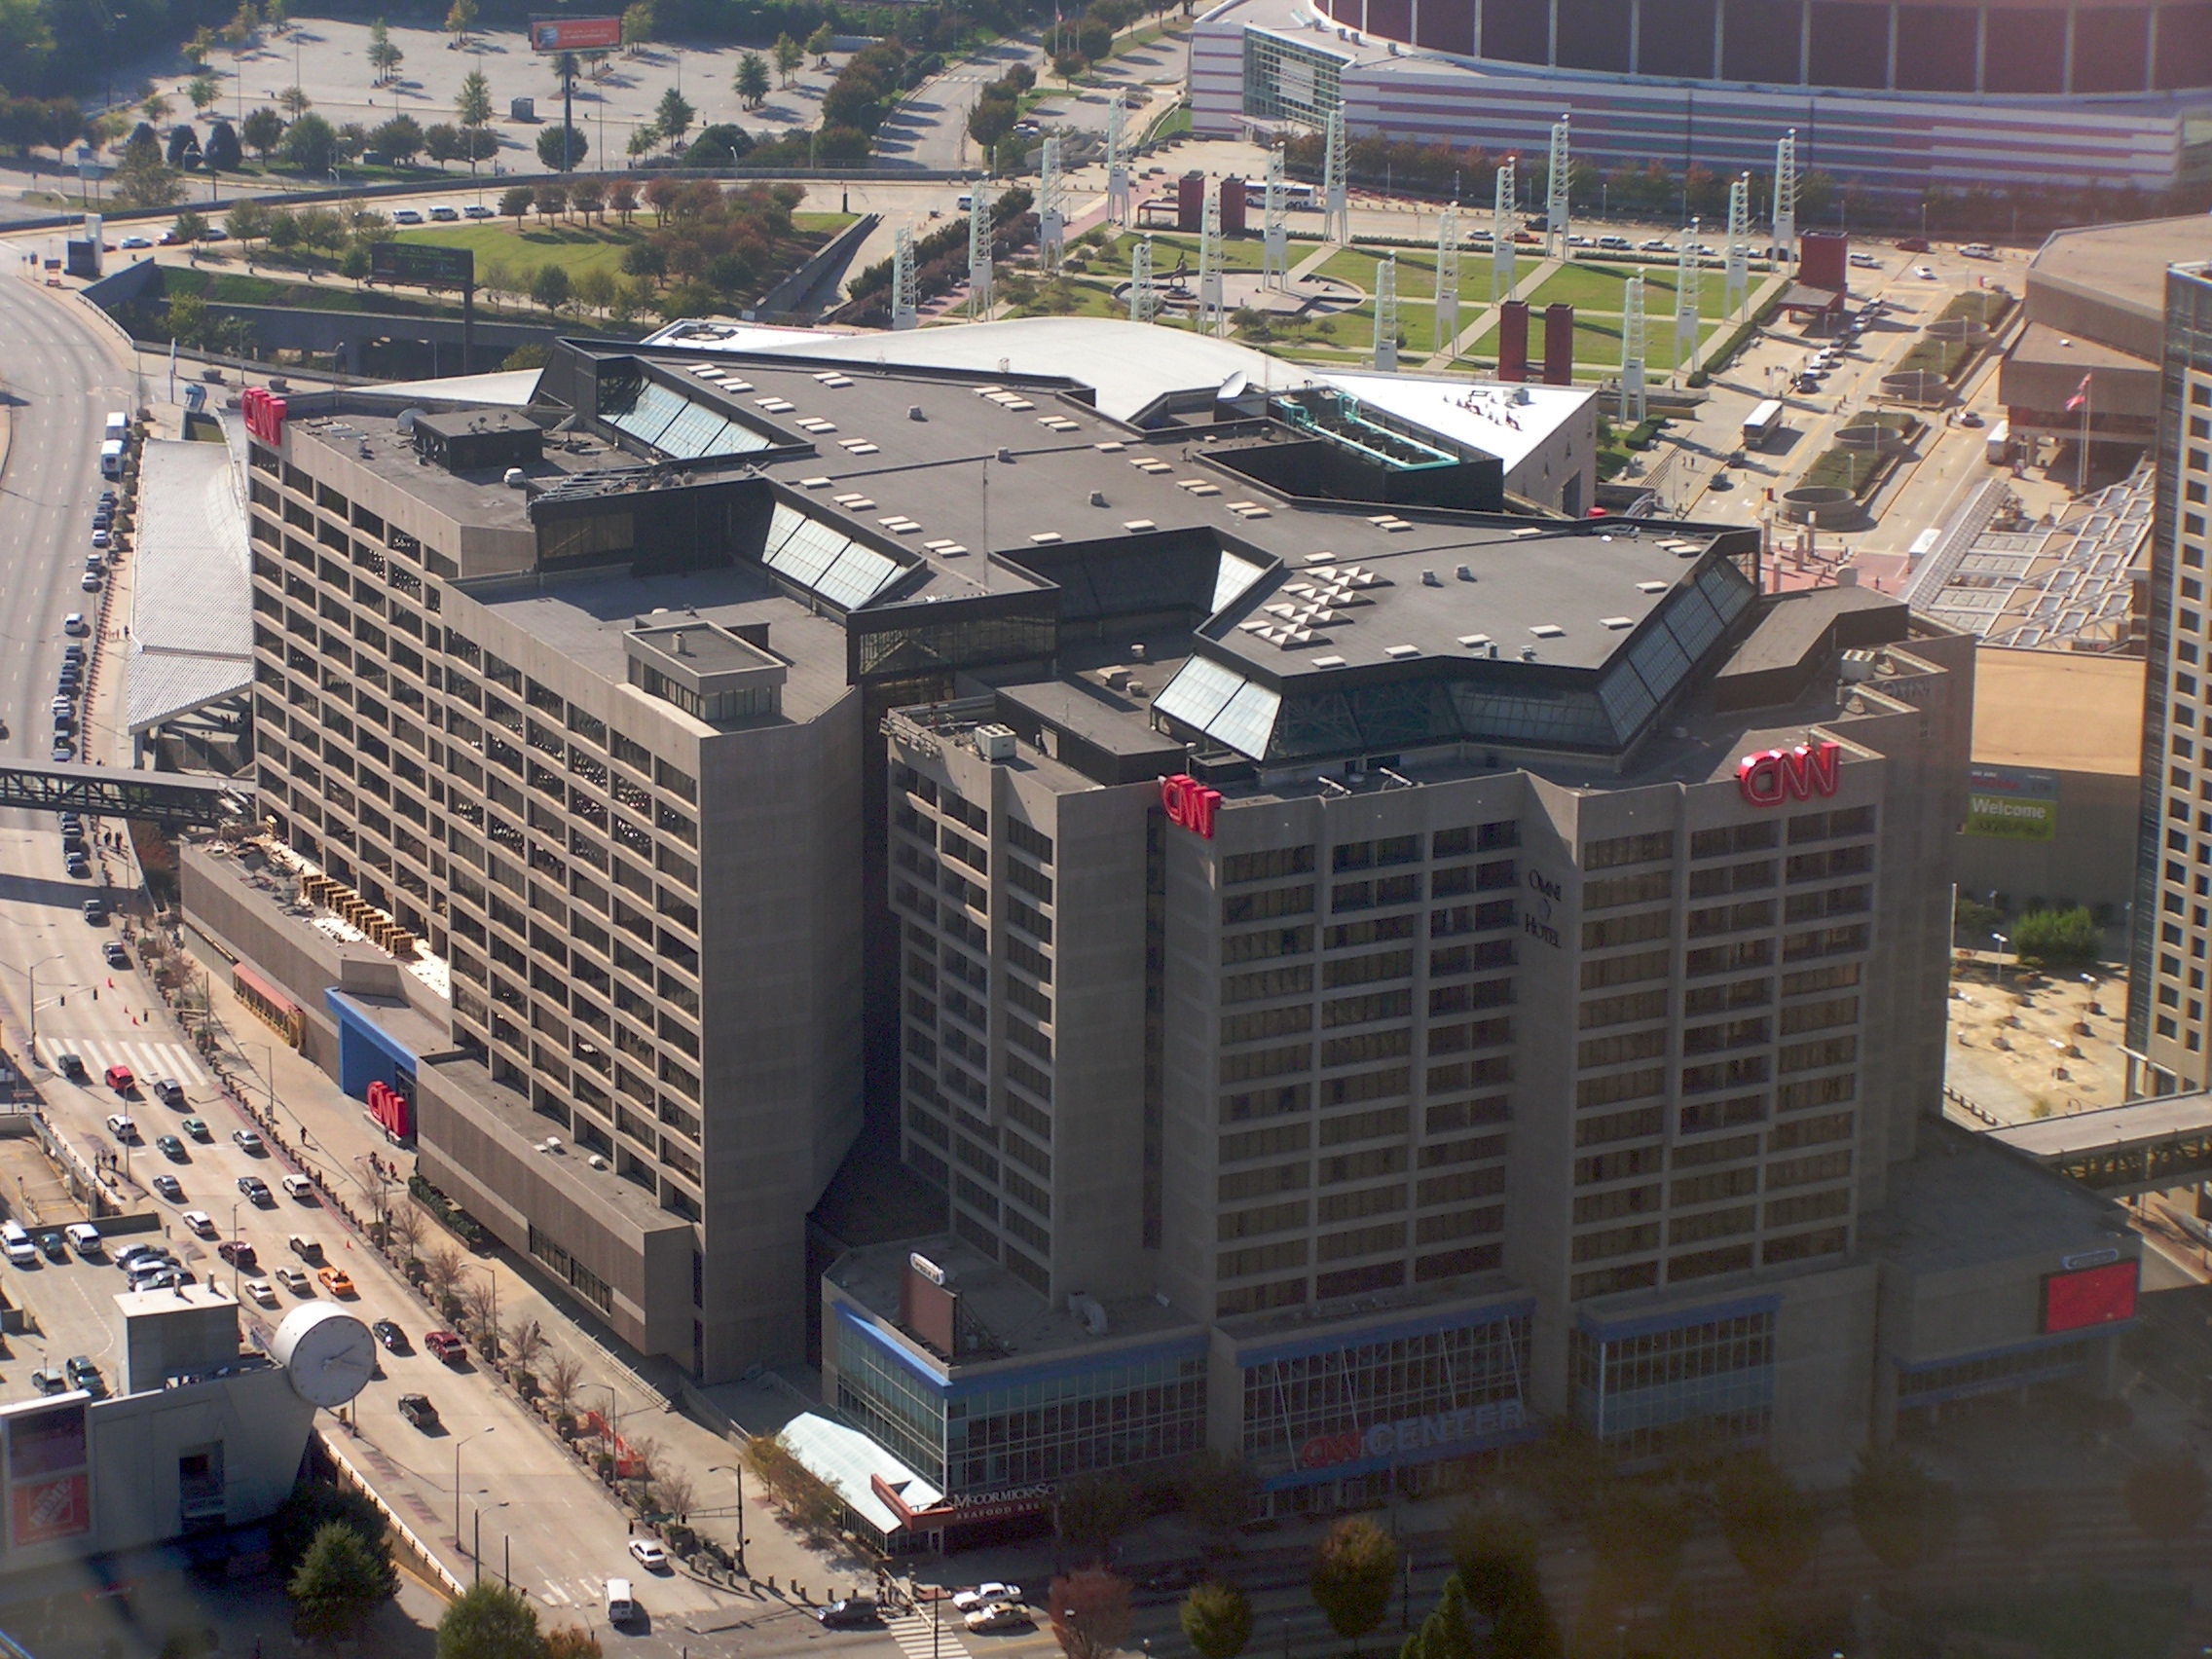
x,y
1094,1511
1772,1527
1903,1514
1354,1571
1638,1533
1216,1620
1089,1612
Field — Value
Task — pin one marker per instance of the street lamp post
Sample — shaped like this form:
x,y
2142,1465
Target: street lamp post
x,y
2002,939
737,1469
488,1428
30,975
234,1253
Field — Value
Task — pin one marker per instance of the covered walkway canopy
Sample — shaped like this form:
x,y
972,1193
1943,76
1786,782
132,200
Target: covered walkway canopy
x,y
2144,1147
192,585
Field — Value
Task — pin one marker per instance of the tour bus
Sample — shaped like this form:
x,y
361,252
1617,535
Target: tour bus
x,y
111,458
1761,423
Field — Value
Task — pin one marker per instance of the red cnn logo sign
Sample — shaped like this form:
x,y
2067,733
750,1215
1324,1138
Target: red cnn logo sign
x,y
1779,775
264,414
1189,803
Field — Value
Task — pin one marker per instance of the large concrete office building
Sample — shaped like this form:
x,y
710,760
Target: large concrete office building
x,y
1362,972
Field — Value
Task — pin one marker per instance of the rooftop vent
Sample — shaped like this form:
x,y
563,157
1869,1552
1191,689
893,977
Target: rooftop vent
x,y
1006,455
994,743
1466,572
1429,578
1527,653
515,477
914,412
1097,498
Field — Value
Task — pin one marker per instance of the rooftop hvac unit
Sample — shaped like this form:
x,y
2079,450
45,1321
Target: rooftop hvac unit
x,y
994,743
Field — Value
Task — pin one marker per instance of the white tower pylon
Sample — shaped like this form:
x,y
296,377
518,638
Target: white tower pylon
x,y
1387,316
1502,233
1336,210
906,309
1143,302
1556,176
1632,350
1737,282
1051,209
1274,243
1689,270
1785,198
1447,281
1117,165
978,257
1211,313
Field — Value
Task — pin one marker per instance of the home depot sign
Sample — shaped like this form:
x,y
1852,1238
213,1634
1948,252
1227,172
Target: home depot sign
x,y
1777,775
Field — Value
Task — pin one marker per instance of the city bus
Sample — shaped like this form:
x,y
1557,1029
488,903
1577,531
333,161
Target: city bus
x,y
1761,423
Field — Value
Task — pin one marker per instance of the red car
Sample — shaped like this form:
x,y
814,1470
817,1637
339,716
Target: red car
x,y
1913,245
446,1344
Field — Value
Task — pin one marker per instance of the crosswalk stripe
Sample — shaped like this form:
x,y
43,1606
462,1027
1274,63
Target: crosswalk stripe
x,y
912,1633
147,1061
558,1595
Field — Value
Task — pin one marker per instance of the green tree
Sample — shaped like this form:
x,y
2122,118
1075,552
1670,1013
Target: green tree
x,y
190,227
649,261
991,120
310,143
1638,1533
673,117
622,197
597,288
570,1642
1772,1528
549,288
1218,1493
186,320
200,47
202,92
562,154
157,108
144,179
296,101
339,1582
1523,1627
753,80
247,219
1447,1632
1216,1620
384,55
515,200
588,197
354,263
644,139
401,138
1903,1514
221,153
2057,939
474,108
2164,1498
822,42
262,131
1090,1612
789,55
1492,1549
637,24
1094,1510
551,201
311,1507
489,1621
1353,1573
460,19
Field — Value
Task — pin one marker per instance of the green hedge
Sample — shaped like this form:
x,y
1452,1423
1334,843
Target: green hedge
x,y
463,1226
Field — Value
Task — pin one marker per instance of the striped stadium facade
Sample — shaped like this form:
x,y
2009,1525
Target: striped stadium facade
x,y
1259,65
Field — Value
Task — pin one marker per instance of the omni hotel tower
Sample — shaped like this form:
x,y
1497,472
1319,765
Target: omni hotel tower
x,y
1341,983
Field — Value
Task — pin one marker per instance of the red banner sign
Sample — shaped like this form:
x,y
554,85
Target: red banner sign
x,y
575,34
1778,775
1189,803
264,414
2099,1296
60,1507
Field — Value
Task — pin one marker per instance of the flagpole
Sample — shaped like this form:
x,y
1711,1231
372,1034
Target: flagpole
x,y
2081,461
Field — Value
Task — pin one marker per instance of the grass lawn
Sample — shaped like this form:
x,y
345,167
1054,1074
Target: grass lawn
x,y
1238,253
1416,272
578,247
1604,337
1599,288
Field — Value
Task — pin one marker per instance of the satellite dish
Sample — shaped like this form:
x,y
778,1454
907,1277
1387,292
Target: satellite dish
x,y
327,1352
406,422
1232,387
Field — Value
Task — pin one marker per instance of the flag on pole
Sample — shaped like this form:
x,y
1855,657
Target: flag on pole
x,y
2080,397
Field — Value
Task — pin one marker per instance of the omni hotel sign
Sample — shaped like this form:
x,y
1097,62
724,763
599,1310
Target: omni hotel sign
x,y
1433,1435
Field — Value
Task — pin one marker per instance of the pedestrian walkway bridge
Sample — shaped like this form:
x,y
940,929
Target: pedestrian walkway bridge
x,y
174,801
2145,1147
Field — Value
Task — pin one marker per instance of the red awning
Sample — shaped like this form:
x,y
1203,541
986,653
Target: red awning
x,y
245,978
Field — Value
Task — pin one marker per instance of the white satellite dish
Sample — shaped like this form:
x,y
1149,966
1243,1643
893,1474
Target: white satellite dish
x,y
328,1354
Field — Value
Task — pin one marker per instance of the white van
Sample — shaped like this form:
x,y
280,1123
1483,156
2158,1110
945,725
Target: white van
x,y
299,1187
117,427
111,458
83,1237
621,1607
16,1244
1977,250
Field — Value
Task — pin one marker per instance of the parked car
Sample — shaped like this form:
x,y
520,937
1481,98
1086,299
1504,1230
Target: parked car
x,y
1913,245
447,1345
139,1250
406,216
54,1246
114,954
81,1373
1926,272
850,1612
294,1280
984,1593
476,211
444,215
84,1238
257,1190
417,1410
649,1555
999,1615
74,623
390,1335
49,1382
15,1241
1865,261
